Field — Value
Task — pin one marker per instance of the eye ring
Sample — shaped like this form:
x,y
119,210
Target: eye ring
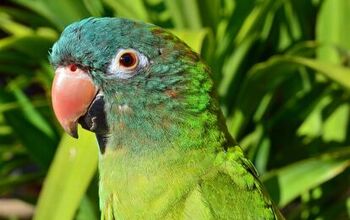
x,y
127,63
127,60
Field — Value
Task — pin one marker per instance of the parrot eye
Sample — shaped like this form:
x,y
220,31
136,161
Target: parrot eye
x,y
127,63
128,60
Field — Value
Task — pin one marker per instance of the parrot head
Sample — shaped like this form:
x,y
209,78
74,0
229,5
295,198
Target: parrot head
x,y
113,72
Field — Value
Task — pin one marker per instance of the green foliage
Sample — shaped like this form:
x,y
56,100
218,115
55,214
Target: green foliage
x,y
282,72
70,173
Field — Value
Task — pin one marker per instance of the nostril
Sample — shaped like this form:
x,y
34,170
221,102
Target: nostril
x,y
73,67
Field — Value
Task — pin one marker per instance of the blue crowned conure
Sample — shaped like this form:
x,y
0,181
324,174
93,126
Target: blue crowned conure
x,y
165,152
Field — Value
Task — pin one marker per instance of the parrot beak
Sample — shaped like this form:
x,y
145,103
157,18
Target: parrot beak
x,y
72,93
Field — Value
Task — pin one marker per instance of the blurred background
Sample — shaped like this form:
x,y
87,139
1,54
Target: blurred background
x,y
282,72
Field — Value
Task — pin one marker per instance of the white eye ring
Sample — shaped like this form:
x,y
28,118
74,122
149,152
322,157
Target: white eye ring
x,y
127,63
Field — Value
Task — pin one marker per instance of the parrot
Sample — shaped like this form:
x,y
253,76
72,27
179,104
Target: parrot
x,y
164,149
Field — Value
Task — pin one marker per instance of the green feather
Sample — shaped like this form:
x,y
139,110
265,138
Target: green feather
x,y
169,154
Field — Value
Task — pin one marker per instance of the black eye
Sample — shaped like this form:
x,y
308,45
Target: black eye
x,y
128,60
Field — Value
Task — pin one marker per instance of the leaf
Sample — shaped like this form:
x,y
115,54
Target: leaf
x,y
335,127
264,77
210,13
185,13
233,62
254,22
19,117
60,13
69,176
312,125
30,112
122,8
34,45
193,38
86,210
89,207
23,15
289,182
95,7
332,30
336,73
40,146
12,27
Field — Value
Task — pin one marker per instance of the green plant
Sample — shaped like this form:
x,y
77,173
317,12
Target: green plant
x,y
282,73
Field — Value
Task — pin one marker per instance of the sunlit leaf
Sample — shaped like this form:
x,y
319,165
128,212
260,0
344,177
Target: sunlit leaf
x,y
332,32
335,127
71,171
193,38
287,183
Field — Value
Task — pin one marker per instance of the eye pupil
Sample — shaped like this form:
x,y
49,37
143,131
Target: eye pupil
x,y
127,60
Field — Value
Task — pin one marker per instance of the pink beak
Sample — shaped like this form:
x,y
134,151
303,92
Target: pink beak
x,y
72,93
